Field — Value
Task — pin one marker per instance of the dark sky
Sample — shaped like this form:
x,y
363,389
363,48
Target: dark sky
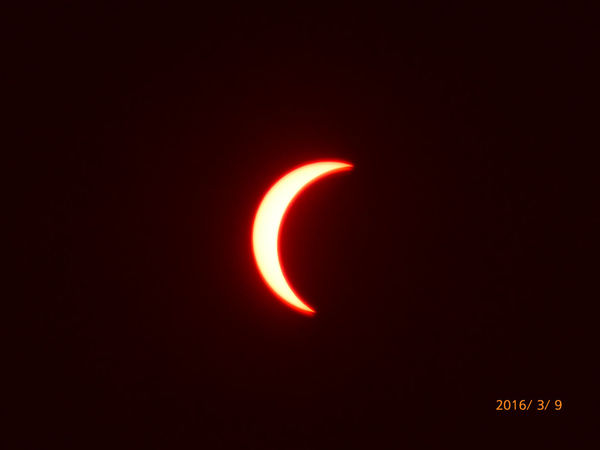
x,y
449,269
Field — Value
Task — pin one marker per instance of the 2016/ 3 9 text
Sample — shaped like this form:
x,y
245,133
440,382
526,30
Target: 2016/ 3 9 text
x,y
529,405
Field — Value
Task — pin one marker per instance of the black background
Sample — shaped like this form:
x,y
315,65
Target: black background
x,y
448,269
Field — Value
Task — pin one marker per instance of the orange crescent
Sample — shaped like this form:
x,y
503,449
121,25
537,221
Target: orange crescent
x,y
267,224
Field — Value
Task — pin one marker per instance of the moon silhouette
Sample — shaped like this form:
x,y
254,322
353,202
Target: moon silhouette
x,y
267,224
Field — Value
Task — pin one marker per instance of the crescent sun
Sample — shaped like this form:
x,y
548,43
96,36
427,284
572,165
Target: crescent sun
x,y
267,224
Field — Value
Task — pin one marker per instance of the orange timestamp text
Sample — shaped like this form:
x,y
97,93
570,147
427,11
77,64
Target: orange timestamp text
x,y
529,405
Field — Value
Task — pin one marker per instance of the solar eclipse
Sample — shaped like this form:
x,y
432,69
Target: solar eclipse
x,y
267,225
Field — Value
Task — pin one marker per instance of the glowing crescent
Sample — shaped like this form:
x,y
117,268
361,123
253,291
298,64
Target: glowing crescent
x,y
265,232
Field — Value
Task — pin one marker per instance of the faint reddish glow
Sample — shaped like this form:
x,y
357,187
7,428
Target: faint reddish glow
x,y
267,224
